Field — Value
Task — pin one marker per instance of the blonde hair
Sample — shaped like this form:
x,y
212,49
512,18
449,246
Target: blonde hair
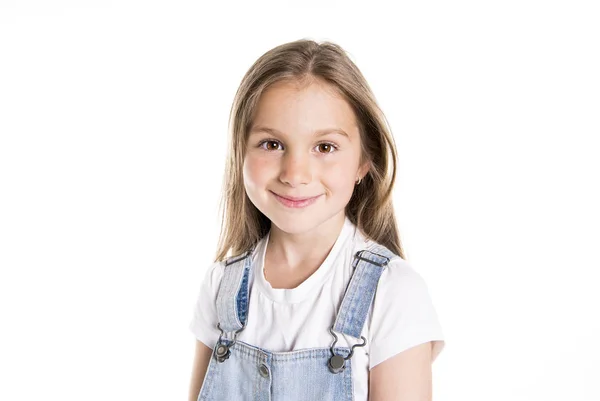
x,y
304,61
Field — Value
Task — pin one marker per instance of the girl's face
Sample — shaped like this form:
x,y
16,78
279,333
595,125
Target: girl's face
x,y
304,143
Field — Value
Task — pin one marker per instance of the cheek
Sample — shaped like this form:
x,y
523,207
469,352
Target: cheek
x,y
340,176
256,170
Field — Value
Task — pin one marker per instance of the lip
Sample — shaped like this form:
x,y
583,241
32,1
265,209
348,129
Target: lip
x,y
295,198
295,202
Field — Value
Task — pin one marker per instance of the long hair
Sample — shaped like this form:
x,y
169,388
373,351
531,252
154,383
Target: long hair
x,y
303,61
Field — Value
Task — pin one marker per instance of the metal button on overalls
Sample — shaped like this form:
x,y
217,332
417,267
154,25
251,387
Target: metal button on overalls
x,y
264,371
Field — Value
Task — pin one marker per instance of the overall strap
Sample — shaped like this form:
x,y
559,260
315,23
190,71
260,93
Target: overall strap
x,y
368,265
232,297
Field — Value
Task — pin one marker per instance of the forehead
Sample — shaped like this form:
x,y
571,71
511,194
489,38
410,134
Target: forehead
x,y
290,108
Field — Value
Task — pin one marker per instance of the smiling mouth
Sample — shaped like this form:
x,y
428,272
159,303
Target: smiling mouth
x,y
295,199
297,202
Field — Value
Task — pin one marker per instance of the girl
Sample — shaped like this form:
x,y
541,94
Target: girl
x,y
315,301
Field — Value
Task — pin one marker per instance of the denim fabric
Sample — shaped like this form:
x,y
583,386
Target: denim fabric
x,y
232,301
368,266
253,373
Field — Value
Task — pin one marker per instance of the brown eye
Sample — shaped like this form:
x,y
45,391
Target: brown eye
x,y
268,147
327,147
272,147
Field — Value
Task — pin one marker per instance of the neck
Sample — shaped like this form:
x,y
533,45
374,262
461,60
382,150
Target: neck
x,y
292,251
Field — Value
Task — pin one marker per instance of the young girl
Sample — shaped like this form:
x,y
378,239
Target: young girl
x,y
315,300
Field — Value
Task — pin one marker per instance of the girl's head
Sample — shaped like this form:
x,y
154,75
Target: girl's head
x,y
304,123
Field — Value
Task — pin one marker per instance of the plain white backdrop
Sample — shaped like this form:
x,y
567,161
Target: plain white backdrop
x,y
113,121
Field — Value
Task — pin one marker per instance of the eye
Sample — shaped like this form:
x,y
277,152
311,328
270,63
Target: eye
x,y
328,147
268,141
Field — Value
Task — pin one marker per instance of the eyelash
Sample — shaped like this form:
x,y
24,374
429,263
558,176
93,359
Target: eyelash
x,y
335,147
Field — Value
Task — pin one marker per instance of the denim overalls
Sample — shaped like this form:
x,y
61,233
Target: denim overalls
x,y
239,371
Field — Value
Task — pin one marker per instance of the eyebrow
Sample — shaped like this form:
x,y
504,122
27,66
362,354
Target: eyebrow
x,y
317,133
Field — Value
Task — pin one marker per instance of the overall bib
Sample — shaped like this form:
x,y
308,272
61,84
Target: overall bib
x,y
239,371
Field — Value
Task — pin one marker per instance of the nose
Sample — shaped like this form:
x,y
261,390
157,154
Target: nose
x,y
295,169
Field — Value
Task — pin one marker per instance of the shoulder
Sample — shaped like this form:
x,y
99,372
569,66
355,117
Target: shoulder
x,y
403,294
212,278
397,271
215,270
399,274
400,285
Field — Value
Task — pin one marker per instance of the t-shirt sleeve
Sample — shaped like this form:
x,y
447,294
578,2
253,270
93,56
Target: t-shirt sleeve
x,y
204,320
403,314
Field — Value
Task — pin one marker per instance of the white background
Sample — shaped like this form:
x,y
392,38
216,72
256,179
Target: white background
x,y
113,120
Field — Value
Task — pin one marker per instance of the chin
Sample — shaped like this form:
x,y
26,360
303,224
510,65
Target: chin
x,y
299,223
294,224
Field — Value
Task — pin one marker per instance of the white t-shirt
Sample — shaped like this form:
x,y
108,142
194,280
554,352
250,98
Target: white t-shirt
x,y
402,314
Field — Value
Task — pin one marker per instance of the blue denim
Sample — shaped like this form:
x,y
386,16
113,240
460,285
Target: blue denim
x,y
248,372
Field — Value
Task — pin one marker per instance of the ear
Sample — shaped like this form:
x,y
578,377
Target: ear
x,y
364,169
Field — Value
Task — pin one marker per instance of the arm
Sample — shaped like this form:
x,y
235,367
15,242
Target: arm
x,y
203,326
403,377
201,361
